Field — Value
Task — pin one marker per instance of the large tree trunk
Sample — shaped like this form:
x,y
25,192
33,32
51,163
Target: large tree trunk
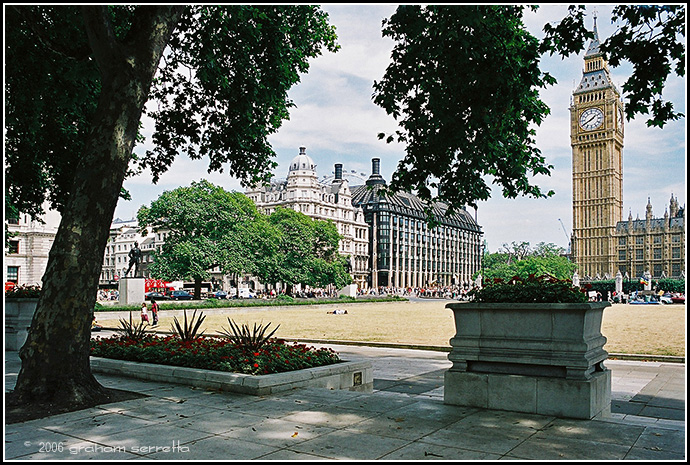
x,y
55,358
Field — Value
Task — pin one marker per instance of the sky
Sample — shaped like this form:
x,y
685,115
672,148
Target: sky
x,y
337,121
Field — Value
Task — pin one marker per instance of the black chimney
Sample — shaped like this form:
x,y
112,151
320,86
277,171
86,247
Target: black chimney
x,y
375,177
338,171
375,166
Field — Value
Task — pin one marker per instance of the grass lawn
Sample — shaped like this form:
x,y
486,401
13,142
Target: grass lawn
x,y
630,329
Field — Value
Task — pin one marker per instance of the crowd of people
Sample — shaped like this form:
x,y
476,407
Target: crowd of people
x,y
108,294
434,292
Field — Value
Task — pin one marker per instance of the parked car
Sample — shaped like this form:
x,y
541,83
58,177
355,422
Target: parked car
x,y
181,295
246,293
156,296
219,295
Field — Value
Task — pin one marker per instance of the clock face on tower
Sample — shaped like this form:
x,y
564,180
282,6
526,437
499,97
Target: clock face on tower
x,y
591,119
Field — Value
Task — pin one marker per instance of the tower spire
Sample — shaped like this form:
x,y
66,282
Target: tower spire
x,y
593,48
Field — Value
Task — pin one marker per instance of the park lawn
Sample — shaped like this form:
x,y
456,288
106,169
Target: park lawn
x,y
629,329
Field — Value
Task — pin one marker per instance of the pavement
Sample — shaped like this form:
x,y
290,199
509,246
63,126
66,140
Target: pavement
x,y
404,418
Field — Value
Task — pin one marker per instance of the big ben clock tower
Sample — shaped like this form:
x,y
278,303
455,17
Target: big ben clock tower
x,y
596,137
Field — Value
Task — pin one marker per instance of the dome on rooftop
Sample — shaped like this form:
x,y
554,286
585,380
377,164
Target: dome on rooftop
x,y
302,161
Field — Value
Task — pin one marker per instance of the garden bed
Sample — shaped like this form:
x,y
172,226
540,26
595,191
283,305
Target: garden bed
x,y
224,364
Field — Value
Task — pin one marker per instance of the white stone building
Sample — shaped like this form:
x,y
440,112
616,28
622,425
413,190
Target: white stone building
x,y
29,243
329,201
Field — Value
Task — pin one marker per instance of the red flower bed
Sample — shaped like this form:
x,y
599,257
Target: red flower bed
x,y
212,353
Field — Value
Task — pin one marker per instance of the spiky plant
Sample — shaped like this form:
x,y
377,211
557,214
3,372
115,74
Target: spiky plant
x,y
251,339
190,330
131,331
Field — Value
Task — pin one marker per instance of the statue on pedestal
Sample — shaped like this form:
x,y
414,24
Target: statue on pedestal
x,y
134,260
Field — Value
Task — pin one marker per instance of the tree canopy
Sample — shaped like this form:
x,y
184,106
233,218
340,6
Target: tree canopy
x,y
220,91
305,252
464,82
520,259
206,227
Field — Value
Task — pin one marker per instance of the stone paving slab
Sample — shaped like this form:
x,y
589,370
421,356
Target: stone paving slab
x,y
391,423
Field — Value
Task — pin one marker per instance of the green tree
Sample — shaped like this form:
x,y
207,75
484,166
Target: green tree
x,y
464,84
206,227
521,260
70,134
306,252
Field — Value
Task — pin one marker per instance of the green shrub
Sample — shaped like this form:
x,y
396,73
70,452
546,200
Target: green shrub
x,y
542,289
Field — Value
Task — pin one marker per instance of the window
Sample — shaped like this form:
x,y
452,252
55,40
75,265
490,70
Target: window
x,y
13,274
13,247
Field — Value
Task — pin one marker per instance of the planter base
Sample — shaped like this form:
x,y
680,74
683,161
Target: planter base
x,y
353,376
553,396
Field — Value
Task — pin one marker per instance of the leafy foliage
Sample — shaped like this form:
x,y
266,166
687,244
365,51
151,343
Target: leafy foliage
x,y
235,93
250,339
221,90
649,37
464,85
189,330
521,260
542,289
302,251
207,227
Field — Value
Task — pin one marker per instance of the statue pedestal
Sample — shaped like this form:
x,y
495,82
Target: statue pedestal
x,y
131,291
350,290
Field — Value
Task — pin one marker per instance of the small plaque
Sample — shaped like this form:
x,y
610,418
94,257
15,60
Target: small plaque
x,y
357,378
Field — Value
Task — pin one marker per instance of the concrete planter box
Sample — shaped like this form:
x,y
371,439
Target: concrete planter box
x,y
536,358
18,316
353,376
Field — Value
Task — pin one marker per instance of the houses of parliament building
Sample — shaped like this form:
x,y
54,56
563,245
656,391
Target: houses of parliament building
x,y
603,243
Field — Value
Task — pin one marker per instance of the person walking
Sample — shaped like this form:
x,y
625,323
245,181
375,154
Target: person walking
x,y
154,312
144,313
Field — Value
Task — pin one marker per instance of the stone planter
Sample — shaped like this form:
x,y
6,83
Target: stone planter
x,y
18,316
536,358
352,376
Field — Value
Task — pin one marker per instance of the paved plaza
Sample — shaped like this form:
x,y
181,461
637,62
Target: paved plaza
x,y
404,418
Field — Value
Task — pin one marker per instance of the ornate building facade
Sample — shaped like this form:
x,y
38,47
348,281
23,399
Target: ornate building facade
x,y
653,245
28,246
596,138
602,243
405,251
331,201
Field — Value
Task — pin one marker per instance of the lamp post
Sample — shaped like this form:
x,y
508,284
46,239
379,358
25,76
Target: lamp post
x,y
630,254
